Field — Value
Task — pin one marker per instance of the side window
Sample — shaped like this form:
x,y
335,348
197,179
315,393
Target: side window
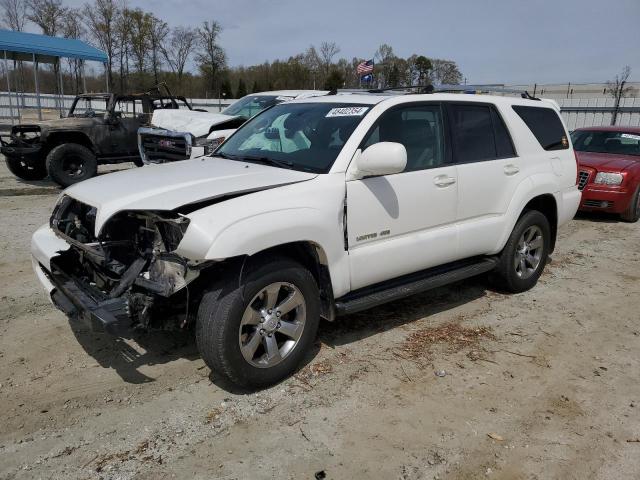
x,y
545,125
419,128
129,108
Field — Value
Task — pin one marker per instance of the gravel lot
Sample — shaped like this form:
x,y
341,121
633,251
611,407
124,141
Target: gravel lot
x,y
539,385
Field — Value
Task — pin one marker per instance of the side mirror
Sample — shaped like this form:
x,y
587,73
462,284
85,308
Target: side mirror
x,y
383,158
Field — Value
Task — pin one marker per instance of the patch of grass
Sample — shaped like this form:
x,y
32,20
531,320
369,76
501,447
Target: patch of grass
x,y
455,336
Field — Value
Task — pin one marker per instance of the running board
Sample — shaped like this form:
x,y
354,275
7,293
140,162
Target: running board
x,y
408,285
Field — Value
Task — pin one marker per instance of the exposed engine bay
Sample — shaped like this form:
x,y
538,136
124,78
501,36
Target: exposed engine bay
x,y
130,267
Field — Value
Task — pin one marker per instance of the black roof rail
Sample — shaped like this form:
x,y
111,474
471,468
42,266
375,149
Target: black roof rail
x,y
482,89
444,88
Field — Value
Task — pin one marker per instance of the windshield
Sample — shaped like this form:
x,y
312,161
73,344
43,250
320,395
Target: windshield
x,y
88,107
301,136
251,105
619,143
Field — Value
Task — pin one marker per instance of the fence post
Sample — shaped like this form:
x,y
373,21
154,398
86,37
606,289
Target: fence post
x,y
6,70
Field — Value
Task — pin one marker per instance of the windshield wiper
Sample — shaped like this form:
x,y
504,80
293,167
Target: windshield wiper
x,y
268,161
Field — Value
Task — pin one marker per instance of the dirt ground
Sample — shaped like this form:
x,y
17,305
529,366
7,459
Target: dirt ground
x,y
540,385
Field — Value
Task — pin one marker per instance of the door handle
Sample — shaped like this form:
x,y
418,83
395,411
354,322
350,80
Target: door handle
x,y
444,181
511,169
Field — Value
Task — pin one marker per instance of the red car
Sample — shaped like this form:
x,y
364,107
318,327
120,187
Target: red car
x,y
609,169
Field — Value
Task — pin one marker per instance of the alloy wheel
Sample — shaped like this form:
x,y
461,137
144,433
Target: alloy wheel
x,y
528,254
272,324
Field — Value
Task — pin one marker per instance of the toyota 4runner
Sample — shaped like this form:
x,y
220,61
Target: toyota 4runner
x,y
312,209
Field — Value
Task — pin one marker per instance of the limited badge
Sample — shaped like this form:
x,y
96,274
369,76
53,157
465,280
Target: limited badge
x,y
565,142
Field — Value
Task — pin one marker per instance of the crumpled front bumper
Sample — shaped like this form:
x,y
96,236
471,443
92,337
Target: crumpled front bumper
x,y
78,301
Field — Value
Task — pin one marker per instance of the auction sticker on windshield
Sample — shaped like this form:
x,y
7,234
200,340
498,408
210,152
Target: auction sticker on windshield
x,y
347,112
630,136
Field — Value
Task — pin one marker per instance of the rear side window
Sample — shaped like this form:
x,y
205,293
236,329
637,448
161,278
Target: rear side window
x,y
479,133
545,125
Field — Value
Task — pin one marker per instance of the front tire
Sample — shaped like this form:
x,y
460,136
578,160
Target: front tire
x,y
71,163
21,170
256,334
632,213
525,255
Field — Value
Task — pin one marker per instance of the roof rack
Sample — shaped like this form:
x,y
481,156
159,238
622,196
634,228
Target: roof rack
x,y
444,88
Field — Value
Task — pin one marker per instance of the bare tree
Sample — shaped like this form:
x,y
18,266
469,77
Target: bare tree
x,y
178,49
139,39
101,18
72,27
47,14
211,58
15,14
619,89
328,50
158,33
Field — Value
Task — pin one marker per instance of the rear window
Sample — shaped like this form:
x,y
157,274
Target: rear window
x,y
546,126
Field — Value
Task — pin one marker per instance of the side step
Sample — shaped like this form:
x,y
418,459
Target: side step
x,y
408,285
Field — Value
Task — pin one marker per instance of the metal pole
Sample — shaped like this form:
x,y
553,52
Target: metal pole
x,y
6,69
35,76
84,80
62,109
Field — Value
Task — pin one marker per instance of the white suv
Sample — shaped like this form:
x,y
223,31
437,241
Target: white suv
x,y
312,209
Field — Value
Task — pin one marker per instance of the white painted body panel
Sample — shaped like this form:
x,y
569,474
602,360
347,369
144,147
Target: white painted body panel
x,y
427,225
170,185
419,216
194,122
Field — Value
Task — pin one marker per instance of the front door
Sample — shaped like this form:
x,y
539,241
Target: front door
x,y
129,116
402,223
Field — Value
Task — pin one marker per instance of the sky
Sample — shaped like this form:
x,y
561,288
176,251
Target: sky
x,y
533,41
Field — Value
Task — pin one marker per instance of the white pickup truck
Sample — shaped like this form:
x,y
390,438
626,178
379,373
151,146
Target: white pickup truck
x,y
181,134
312,209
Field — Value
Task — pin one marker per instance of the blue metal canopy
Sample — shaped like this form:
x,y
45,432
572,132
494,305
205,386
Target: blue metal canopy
x,y
19,44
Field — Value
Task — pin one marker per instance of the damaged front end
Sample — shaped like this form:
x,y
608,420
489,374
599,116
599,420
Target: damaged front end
x,y
24,143
128,277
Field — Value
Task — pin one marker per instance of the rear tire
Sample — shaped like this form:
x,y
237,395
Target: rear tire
x,y
238,337
71,163
632,213
525,255
21,170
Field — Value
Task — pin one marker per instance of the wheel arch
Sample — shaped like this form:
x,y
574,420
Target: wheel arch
x,y
547,205
310,255
57,138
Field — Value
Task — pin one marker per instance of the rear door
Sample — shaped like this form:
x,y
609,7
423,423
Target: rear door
x,y
402,223
489,171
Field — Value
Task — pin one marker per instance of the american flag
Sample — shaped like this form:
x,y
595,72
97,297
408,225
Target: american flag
x,y
365,68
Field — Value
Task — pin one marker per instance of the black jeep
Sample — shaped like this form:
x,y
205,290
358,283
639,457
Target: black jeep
x,y
99,128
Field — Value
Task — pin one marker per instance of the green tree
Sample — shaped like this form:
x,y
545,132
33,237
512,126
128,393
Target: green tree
x,y
256,87
242,89
334,80
225,89
422,67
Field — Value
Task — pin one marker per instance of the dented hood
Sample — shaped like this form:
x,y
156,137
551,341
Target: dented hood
x,y
196,123
168,186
